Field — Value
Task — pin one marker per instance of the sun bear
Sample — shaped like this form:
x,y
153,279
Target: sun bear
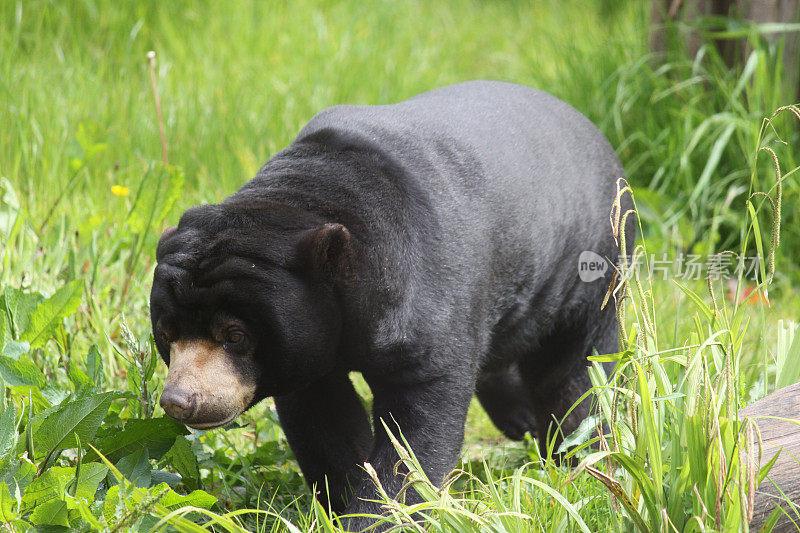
x,y
432,245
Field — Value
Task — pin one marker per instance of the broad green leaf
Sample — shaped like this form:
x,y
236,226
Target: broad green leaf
x,y
83,385
114,506
196,498
82,416
55,395
83,509
8,430
162,476
91,476
40,402
135,495
14,349
136,468
52,513
156,435
182,458
49,314
7,502
94,366
134,379
18,306
5,335
49,486
18,475
53,484
22,372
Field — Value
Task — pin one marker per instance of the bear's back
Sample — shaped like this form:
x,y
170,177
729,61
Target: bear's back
x,y
494,159
485,145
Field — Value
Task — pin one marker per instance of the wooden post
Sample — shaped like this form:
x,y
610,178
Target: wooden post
x,y
783,437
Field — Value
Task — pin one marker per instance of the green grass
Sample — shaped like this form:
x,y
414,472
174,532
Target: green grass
x,y
237,81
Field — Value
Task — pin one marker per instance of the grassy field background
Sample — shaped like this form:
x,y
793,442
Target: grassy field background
x,y
84,196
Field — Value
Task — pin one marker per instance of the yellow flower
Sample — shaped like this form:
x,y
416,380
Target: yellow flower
x,y
119,190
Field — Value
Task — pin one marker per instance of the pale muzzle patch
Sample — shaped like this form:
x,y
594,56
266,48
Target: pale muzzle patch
x,y
203,389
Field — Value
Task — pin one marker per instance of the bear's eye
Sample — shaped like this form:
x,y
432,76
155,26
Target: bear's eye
x,y
234,336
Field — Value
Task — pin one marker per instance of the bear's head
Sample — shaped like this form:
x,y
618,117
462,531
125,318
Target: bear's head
x,y
244,306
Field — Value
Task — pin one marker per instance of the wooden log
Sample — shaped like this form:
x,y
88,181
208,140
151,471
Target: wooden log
x,y
784,437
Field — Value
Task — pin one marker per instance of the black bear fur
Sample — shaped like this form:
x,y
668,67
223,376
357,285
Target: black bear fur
x,y
431,245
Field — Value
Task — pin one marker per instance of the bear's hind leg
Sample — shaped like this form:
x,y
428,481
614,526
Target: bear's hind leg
x,y
504,398
551,403
556,373
556,376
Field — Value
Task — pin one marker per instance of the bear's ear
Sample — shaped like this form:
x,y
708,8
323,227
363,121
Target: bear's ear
x,y
326,250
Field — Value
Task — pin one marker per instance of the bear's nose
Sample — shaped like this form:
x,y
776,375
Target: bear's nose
x,y
178,403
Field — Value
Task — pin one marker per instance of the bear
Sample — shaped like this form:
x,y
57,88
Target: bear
x,y
433,246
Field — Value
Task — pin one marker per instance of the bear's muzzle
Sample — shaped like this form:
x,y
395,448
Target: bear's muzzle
x,y
203,389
